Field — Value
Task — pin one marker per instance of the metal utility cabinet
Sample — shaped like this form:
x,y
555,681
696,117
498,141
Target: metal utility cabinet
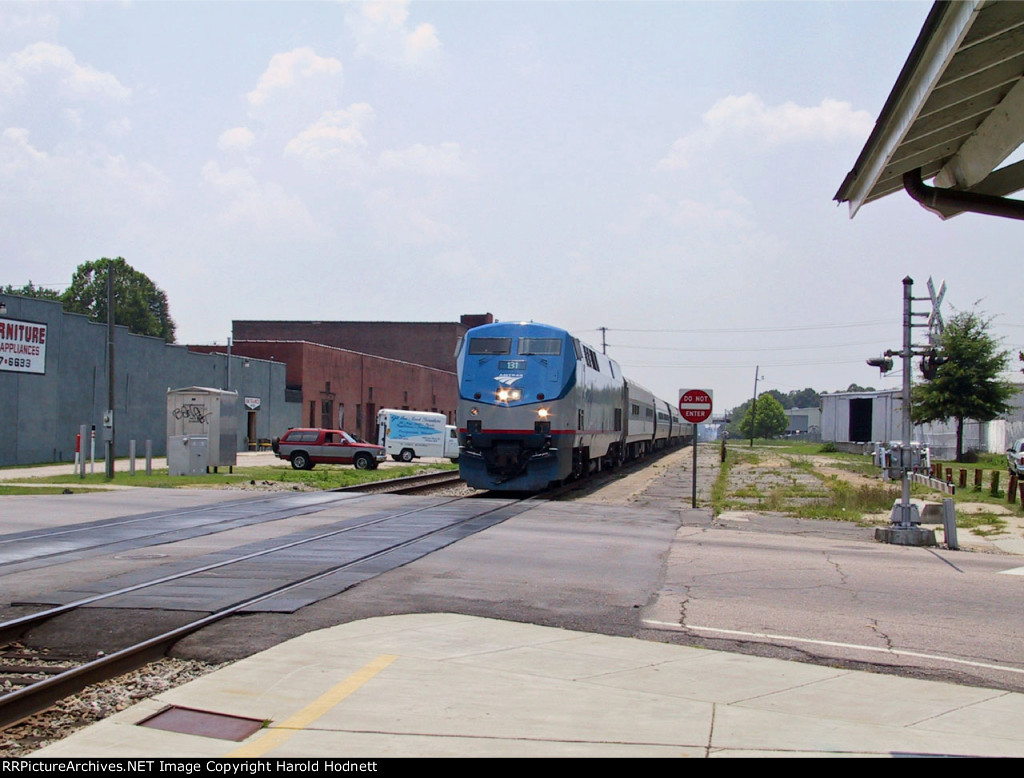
x,y
201,418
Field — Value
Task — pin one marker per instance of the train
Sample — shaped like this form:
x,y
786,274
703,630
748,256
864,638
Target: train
x,y
538,407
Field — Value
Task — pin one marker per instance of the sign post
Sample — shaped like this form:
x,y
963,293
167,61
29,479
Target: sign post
x,y
695,407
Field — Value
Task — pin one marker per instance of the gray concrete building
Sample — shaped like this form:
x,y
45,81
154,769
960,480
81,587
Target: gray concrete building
x,y
54,378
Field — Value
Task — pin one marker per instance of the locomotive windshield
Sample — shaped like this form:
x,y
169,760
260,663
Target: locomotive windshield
x,y
490,345
540,347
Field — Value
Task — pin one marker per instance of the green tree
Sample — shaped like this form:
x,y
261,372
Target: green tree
x,y
735,417
804,398
139,304
31,290
967,385
771,418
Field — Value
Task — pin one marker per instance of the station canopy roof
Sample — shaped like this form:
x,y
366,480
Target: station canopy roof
x,y
955,114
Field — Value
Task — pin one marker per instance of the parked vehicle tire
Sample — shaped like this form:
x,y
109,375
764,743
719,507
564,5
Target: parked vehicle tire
x,y
407,454
300,461
363,461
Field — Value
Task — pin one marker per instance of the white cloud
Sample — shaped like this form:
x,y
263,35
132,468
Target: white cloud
x,y
50,61
236,139
17,154
381,32
336,136
119,127
406,221
727,217
257,208
79,181
296,69
443,160
747,118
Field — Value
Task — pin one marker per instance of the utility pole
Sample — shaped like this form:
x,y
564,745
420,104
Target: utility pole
x,y
753,408
108,422
604,344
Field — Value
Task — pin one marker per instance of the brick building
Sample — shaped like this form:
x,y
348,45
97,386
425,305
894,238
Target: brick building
x,y
346,371
419,343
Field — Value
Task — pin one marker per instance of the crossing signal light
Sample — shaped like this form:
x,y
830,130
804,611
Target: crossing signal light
x,y
930,364
882,363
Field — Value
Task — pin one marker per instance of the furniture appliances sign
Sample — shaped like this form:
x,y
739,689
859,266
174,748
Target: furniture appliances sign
x,y
22,346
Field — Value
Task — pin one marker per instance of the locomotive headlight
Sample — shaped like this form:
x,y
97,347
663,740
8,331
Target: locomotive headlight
x,y
542,413
505,395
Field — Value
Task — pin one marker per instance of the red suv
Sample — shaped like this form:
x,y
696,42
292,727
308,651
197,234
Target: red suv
x,y
305,447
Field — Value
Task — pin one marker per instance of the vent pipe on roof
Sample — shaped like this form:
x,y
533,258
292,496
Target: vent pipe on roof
x,y
950,202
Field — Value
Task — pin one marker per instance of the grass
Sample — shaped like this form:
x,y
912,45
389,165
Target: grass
x,y
321,477
35,490
846,502
838,499
982,523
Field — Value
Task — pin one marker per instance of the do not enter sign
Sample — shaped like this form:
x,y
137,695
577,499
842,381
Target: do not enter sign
x,y
695,405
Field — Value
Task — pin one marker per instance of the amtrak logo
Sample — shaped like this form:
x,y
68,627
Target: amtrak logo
x,y
507,379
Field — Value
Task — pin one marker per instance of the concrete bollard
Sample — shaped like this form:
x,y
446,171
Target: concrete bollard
x,y
131,457
82,432
949,524
149,457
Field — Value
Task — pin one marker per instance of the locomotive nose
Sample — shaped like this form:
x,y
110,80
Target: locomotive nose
x,y
505,458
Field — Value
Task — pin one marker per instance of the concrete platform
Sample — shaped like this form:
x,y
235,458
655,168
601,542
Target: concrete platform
x,y
442,685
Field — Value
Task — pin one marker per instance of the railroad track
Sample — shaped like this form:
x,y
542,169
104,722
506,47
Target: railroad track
x,y
24,693
32,680
413,484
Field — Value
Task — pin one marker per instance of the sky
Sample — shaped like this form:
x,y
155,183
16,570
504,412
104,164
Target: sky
x,y
655,177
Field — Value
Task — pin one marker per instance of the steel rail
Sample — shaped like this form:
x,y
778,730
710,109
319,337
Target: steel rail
x,y
22,703
14,628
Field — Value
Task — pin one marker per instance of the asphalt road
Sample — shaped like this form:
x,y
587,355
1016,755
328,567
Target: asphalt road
x,y
634,559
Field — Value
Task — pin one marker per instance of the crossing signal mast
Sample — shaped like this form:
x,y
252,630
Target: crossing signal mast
x,y
904,456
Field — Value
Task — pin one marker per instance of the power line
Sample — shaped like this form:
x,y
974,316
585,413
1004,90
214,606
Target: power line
x,y
800,328
746,349
743,366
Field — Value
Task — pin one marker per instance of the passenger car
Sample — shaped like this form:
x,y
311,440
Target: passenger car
x,y
306,447
1015,458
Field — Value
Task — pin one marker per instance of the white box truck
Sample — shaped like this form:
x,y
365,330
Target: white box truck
x,y
407,435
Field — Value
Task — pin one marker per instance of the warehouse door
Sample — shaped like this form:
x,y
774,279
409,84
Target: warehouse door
x,y
860,420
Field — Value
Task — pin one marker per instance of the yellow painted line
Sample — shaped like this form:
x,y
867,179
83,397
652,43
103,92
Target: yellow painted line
x,y
272,738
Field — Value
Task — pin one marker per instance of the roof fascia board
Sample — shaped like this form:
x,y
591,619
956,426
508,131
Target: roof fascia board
x,y
945,27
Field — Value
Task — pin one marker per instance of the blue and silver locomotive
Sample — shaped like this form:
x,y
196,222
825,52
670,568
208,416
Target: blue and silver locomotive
x,y
537,406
